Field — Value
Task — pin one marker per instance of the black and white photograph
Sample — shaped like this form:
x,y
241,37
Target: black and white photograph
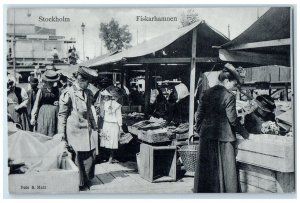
x,y
149,100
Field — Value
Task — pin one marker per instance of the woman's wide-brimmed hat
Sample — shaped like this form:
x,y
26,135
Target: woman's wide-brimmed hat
x,y
105,93
116,92
50,76
266,103
87,73
234,72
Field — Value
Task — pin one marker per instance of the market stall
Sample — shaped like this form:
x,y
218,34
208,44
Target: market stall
x,y
181,55
266,159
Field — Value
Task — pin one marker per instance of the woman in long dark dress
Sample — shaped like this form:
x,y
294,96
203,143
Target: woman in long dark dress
x,y
45,109
217,124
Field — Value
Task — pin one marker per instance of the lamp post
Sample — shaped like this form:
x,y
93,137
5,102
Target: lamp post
x,y
82,28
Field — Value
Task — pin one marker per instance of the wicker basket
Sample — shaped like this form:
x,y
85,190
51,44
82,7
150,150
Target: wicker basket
x,y
188,154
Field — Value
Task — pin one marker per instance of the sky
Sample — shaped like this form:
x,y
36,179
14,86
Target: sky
x,y
239,19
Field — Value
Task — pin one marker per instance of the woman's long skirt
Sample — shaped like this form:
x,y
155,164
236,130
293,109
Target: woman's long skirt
x,y
110,135
47,120
86,164
216,170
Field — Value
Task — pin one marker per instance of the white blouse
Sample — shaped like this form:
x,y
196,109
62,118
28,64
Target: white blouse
x,y
112,112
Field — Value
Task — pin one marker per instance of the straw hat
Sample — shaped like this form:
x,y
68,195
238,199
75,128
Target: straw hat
x,y
50,76
232,70
51,67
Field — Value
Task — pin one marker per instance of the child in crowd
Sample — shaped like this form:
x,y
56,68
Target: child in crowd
x,y
112,124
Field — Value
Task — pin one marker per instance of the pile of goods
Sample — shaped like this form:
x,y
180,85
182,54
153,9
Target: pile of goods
x,y
153,130
270,127
125,138
152,123
243,108
181,131
132,118
135,115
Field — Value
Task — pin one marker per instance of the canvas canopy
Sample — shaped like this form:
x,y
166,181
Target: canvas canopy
x,y
69,70
266,42
174,44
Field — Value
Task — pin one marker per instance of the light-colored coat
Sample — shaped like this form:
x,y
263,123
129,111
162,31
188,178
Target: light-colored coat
x,y
76,120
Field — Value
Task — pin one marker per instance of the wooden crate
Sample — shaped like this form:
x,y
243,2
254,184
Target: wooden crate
x,y
46,182
261,74
285,74
274,73
268,74
267,151
157,163
248,76
256,179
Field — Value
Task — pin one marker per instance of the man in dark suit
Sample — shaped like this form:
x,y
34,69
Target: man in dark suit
x,y
31,98
217,124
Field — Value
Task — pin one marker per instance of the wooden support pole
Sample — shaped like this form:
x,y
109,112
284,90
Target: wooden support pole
x,y
192,83
114,77
286,92
126,77
147,91
122,76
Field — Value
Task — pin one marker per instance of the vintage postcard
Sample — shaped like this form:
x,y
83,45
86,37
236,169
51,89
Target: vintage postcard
x,y
150,100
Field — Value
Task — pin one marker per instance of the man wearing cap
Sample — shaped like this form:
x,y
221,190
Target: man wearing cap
x,y
217,124
264,112
77,123
32,92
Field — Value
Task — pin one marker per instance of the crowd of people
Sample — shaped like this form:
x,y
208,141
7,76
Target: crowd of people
x,y
86,120
53,106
